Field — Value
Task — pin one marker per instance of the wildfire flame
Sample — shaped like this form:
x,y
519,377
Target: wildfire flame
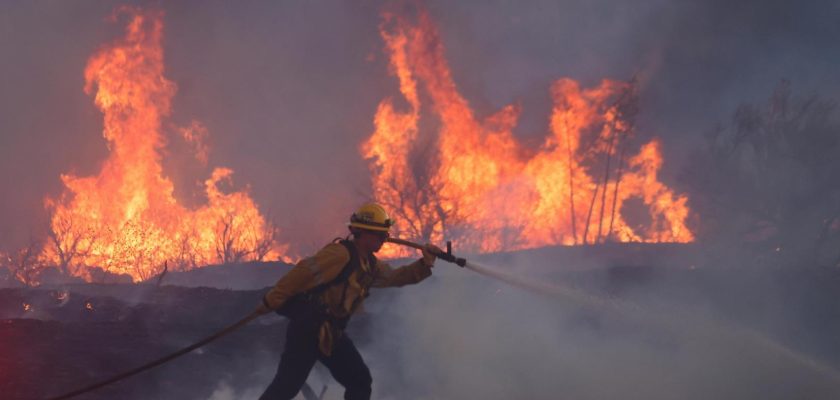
x,y
125,219
27,307
475,183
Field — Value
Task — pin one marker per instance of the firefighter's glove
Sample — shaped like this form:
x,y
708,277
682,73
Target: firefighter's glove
x,y
262,309
429,252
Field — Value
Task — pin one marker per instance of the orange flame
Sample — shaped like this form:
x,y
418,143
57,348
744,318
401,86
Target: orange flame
x,y
476,184
125,219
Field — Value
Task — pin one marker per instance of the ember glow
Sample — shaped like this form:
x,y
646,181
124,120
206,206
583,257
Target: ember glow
x,y
125,220
473,182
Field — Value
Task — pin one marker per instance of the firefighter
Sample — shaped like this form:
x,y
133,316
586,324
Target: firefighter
x,y
319,295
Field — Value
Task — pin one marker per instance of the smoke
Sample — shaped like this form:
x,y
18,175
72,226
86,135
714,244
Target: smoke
x,y
224,391
697,61
462,335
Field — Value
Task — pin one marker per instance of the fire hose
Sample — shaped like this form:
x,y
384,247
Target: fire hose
x,y
539,287
244,321
155,363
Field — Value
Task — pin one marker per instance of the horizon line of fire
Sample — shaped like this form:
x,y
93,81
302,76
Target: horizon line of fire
x,y
471,182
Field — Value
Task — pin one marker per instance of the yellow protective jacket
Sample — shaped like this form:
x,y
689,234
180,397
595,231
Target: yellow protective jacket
x,y
324,267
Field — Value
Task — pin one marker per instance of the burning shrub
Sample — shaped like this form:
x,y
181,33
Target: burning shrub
x,y
472,180
125,219
24,265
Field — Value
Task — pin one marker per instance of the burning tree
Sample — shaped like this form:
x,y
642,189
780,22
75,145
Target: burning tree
x,y
615,130
474,182
772,178
24,265
125,219
265,238
68,243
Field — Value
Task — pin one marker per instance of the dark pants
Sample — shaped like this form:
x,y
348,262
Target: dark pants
x,y
299,356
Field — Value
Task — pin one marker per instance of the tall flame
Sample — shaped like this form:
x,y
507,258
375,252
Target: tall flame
x,y
126,219
474,182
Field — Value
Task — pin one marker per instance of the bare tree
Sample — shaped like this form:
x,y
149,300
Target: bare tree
x,y
615,131
25,264
414,199
619,174
229,248
69,242
265,239
621,113
571,163
186,256
627,108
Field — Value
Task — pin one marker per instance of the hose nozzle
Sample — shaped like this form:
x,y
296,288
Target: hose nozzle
x,y
445,256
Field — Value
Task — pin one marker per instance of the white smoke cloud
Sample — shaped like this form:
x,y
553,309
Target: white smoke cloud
x,y
226,391
461,335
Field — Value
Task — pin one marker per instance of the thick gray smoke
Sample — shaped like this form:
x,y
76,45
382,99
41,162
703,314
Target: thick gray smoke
x,y
622,332
644,322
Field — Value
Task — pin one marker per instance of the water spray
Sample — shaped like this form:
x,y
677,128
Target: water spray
x,y
709,327
524,283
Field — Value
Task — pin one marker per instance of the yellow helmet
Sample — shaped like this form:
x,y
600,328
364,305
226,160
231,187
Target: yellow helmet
x,y
371,216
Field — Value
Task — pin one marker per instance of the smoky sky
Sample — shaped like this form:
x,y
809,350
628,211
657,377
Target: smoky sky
x,y
288,90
